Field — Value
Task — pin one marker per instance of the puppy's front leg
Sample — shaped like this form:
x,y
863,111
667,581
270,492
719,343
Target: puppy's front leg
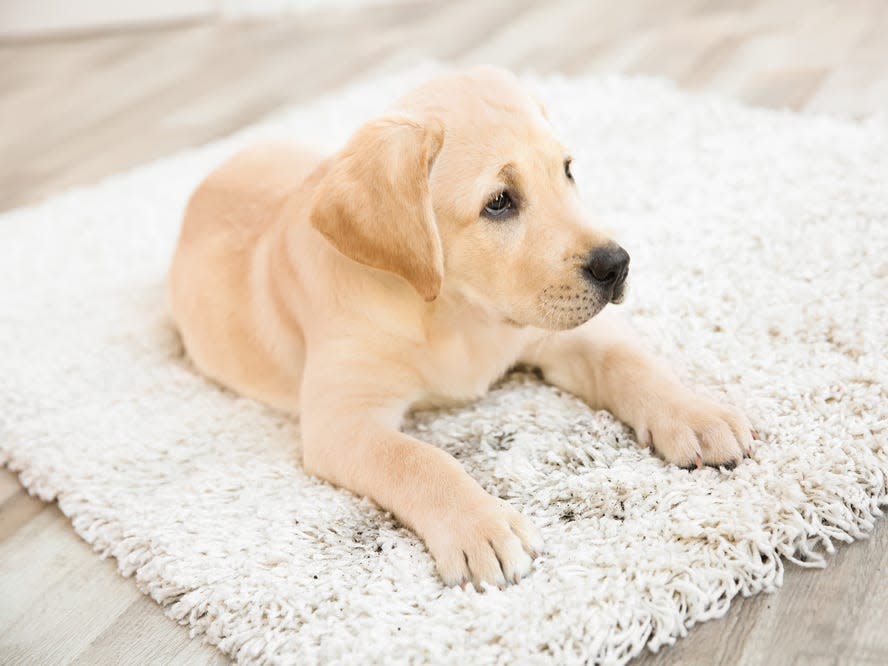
x,y
354,443
603,362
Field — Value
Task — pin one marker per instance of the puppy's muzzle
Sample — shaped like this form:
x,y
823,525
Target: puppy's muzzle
x,y
606,268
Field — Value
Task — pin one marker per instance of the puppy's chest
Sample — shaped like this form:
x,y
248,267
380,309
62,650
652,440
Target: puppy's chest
x,y
461,365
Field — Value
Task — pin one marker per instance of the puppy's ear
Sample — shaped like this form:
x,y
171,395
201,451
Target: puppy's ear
x,y
374,204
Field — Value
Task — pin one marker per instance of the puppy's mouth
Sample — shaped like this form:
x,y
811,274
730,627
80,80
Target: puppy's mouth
x,y
565,306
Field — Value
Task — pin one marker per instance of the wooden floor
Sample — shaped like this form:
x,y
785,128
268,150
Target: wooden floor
x,y
73,110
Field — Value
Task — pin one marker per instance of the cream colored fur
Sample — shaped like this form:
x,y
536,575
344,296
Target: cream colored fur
x,y
351,288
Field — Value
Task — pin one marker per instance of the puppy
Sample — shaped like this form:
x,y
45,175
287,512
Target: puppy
x,y
442,245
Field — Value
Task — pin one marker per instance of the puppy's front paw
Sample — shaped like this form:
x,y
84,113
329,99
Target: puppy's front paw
x,y
490,543
691,431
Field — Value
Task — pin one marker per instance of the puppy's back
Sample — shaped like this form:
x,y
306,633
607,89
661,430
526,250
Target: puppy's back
x,y
242,196
209,282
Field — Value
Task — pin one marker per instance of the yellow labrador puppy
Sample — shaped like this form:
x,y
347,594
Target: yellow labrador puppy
x,y
443,244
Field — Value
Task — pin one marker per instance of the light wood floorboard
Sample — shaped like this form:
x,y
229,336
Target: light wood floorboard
x,y
76,109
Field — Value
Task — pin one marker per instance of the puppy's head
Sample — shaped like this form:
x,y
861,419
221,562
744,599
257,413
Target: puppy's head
x,y
467,180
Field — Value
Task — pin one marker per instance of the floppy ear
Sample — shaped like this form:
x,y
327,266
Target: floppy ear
x,y
374,204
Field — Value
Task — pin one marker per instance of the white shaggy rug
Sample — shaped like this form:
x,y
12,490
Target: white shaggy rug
x,y
759,245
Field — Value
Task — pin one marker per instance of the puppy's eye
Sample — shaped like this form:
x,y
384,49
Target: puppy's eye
x,y
499,206
567,171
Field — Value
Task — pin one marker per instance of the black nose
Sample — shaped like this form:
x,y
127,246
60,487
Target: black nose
x,y
607,266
